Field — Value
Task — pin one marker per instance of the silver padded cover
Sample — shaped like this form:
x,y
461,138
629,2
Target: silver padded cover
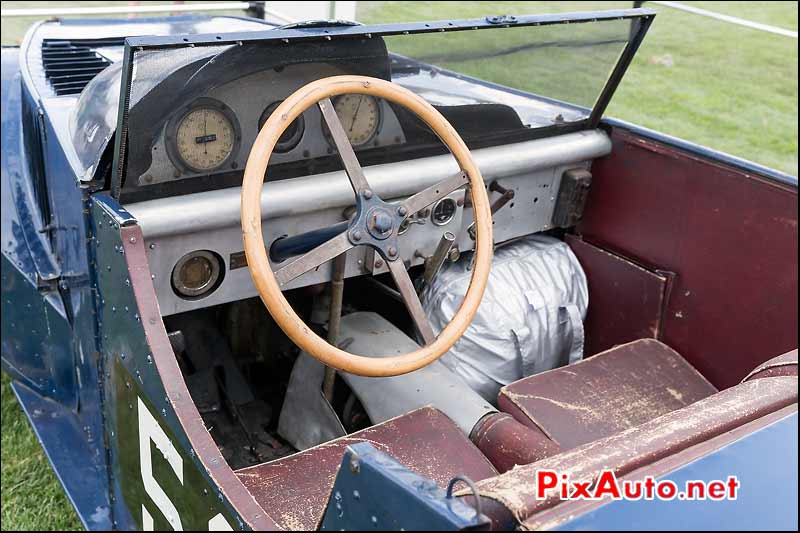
x,y
530,319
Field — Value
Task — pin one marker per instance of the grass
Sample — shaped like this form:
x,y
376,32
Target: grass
x,y
719,85
32,497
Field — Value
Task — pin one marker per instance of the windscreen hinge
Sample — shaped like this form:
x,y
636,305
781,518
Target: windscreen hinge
x,y
502,19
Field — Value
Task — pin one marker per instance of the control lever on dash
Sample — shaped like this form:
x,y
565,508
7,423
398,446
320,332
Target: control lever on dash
x,y
506,196
434,263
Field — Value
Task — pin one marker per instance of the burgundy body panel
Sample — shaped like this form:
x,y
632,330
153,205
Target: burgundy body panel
x,y
507,443
642,445
295,489
605,394
626,301
729,236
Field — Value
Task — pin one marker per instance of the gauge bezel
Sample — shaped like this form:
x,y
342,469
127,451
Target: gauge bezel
x,y
291,143
170,136
366,144
450,218
217,274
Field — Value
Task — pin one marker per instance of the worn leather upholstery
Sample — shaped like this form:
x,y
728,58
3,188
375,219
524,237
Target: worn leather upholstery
x,y
605,394
294,490
511,497
783,365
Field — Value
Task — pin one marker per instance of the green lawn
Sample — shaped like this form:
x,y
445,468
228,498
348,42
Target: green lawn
x,y
720,85
32,497
723,86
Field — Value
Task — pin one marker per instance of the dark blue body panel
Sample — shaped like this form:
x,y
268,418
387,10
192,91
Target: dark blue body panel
x,y
765,463
49,330
85,481
374,491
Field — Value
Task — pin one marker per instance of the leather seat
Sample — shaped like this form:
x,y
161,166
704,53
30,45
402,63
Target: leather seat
x,y
605,394
294,490
510,499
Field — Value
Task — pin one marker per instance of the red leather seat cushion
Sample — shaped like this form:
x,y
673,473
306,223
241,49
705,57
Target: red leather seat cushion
x,y
605,394
294,490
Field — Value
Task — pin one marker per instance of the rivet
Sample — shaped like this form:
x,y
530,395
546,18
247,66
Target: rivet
x,y
132,240
402,211
379,263
356,235
366,193
392,251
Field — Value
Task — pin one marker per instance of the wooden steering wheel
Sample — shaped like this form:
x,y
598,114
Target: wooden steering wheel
x,y
375,224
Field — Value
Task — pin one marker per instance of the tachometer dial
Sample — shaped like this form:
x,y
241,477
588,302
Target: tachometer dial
x,y
360,115
205,136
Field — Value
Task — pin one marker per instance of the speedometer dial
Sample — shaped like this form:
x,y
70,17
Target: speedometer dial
x,y
205,136
360,115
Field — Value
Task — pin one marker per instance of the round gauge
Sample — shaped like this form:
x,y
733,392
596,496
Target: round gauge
x,y
360,115
204,137
196,273
291,136
443,211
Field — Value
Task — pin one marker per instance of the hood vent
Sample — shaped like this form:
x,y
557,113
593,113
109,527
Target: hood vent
x,y
70,64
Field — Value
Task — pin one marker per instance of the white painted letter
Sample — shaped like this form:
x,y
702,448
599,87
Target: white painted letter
x,y
150,430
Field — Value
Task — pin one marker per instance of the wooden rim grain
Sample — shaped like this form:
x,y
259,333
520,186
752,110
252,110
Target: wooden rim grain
x,y
257,257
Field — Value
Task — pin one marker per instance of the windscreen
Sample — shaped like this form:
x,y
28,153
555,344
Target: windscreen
x,y
193,105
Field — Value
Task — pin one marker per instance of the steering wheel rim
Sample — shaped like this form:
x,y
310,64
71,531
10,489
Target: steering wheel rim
x,y
319,92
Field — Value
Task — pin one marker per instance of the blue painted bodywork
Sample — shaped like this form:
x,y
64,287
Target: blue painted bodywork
x,y
374,491
49,329
74,344
765,463
63,439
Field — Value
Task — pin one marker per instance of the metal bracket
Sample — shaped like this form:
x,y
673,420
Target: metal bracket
x,y
374,491
502,19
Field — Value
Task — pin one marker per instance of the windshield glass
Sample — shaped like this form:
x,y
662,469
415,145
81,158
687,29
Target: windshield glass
x,y
497,80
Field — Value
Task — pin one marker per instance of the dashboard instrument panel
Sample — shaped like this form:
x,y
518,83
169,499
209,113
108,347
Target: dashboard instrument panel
x,y
211,134
203,137
360,115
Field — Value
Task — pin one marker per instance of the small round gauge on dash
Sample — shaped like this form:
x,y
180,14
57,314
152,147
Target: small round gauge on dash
x,y
204,137
443,211
291,136
360,115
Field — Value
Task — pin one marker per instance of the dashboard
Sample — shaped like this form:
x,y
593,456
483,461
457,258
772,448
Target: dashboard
x,y
191,125
213,133
202,231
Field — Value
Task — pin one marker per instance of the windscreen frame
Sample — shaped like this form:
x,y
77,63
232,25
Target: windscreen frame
x,y
641,19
